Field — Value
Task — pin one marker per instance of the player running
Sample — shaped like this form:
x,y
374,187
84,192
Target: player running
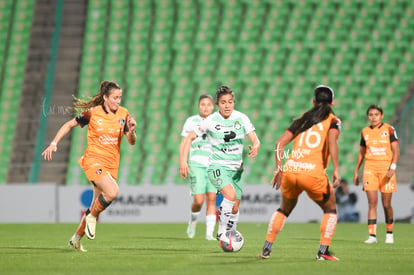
x,y
225,130
315,136
379,148
198,163
107,123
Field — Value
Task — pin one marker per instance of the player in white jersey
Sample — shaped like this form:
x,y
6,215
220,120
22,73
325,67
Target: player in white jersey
x,y
225,130
198,164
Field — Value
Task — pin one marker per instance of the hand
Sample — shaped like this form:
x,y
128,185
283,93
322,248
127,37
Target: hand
x,y
277,179
356,178
47,154
390,173
184,171
253,151
132,124
335,178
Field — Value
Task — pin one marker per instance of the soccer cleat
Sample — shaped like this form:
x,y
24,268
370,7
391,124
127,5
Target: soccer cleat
x,y
75,243
265,254
327,256
191,229
371,239
90,226
389,238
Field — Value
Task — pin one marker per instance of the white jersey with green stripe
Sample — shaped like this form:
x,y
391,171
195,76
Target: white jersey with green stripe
x,y
226,137
200,147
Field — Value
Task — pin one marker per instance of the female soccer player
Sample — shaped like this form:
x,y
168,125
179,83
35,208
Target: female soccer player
x,y
225,130
199,154
107,123
379,147
315,136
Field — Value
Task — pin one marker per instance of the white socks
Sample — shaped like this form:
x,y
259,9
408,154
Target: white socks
x,y
194,217
226,207
234,219
210,225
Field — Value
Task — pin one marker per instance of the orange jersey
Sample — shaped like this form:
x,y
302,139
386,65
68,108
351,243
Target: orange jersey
x,y
310,152
377,141
105,132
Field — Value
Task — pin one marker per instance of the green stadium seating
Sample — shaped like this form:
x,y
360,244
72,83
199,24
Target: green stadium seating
x,y
272,53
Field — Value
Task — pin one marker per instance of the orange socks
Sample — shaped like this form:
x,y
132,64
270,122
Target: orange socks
x,y
372,227
275,225
328,226
99,205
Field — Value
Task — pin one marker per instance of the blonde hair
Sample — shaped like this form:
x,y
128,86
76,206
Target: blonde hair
x,y
106,88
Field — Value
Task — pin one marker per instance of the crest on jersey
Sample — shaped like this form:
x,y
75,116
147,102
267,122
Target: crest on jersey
x,y
219,181
99,171
121,121
237,125
384,134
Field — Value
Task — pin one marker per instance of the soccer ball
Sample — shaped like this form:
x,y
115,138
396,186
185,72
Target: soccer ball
x,y
231,241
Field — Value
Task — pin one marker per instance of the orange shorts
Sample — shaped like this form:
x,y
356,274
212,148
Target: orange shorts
x,y
293,184
377,180
94,170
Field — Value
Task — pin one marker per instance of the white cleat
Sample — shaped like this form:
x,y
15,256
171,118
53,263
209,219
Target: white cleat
x,y
389,238
90,226
191,229
371,239
75,243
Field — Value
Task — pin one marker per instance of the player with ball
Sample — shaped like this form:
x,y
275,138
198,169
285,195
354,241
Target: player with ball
x,y
225,130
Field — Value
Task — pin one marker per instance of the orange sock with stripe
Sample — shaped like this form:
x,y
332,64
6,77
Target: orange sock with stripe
x,y
99,205
275,225
372,227
328,226
389,225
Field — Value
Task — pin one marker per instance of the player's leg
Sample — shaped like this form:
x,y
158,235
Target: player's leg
x,y
75,240
109,191
229,199
210,215
327,202
198,200
387,187
371,186
389,217
222,180
372,197
290,194
238,187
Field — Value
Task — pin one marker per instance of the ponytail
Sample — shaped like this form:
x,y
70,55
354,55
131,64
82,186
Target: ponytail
x,y
105,89
323,97
315,115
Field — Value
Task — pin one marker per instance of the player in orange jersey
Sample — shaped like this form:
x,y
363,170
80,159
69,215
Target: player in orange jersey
x,y
107,123
379,148
315,136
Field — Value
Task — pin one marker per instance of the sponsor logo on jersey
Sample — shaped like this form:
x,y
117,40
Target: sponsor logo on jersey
x,y
108,140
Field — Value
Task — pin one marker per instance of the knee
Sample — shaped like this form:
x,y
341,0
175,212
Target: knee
x,y
387,205
112,194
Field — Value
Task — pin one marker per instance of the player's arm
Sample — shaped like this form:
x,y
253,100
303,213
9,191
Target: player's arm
x,y
47,154
131,134
360,159
255,144
333,135
184,149
284,140
395,149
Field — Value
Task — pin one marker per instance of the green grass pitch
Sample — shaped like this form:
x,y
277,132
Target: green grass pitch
x,y
165,249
